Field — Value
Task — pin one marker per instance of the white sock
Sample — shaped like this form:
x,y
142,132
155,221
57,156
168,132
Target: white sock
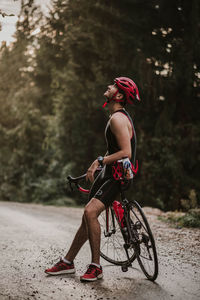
x,y
95,265
66,261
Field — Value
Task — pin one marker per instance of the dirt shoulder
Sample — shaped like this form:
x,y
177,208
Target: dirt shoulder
x,y
180,242
33,237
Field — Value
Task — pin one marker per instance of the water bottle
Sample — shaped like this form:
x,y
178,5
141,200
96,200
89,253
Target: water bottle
x,y
119,211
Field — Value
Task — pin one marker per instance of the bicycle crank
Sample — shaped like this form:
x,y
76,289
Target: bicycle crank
x,y
125,267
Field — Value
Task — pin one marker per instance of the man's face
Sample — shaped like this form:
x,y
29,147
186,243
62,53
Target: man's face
x,y
111,90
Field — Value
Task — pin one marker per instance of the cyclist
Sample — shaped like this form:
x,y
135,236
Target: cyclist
x,y
121,142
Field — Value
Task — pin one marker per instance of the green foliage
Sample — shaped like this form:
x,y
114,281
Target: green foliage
x,y
191,202
189,219
51,118
45,189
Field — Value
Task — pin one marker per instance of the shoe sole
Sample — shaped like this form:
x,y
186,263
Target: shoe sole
x,y
61,272
100,276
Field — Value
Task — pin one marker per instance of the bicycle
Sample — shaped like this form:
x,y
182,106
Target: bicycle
x,y
125,234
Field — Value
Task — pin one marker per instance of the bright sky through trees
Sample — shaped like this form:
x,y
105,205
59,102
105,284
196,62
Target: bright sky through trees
x,y
8,23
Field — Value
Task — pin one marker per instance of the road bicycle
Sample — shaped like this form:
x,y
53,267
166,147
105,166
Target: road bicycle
x,y
125,234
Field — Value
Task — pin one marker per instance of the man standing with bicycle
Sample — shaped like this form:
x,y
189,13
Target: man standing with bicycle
x,y
121,143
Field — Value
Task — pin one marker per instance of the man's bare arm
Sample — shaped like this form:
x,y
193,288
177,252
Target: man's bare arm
x,y
120,129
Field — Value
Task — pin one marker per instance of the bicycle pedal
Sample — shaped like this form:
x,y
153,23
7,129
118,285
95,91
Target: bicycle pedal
x,y
124,268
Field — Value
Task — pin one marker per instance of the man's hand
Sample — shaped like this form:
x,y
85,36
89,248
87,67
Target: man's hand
x,y
91,171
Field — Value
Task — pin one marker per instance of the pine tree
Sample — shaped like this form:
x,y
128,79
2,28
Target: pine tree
x,y
22,127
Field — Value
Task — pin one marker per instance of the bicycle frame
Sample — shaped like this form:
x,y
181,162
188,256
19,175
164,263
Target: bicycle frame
x,y
127,231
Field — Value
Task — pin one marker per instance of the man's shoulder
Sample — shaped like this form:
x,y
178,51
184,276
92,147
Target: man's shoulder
x,y
118,116
118,119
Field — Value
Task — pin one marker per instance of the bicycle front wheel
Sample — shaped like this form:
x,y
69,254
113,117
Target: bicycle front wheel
x,y
146,254
113,247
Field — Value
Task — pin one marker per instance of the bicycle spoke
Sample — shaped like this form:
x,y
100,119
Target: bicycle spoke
x,y
112,246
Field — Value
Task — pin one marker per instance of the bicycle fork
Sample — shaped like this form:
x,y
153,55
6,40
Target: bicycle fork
x,y
127,236
130,238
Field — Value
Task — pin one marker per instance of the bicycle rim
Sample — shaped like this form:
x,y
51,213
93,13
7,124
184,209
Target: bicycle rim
x,y
146,255
112,246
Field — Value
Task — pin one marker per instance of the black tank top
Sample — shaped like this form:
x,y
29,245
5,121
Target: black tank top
x,y
112,145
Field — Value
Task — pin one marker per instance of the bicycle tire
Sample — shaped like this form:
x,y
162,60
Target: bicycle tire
x,y
112,247
147,250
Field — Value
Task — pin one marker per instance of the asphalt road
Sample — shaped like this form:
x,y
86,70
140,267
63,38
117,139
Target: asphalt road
x,y
33,237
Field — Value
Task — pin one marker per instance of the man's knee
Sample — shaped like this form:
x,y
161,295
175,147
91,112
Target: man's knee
x,y
89,213
93,209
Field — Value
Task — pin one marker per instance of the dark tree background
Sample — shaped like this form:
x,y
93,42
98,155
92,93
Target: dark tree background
x,y
52,81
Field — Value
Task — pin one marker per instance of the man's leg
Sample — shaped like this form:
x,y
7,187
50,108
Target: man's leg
x,y
91,213
79,240
63,267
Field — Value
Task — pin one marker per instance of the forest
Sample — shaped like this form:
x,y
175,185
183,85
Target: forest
x,y
54,75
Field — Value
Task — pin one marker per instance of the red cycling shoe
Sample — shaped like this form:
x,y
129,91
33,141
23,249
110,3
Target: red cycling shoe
x,y
61,268
93,273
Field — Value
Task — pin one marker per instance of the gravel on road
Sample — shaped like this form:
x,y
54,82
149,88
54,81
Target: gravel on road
x,y
33,237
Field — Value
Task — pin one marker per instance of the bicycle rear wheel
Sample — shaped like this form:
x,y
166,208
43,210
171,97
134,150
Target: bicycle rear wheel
x,y
113,247
146,254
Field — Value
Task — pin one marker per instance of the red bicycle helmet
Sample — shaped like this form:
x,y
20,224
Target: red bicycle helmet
x,y
129,88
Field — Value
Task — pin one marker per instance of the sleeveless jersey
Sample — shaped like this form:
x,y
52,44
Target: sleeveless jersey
x,y
112,145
